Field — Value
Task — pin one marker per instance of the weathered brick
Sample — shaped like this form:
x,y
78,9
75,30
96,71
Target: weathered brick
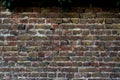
x,y
10,48
7,21
99,20
87,15
54,20
70,15
107,15
24,37
48,44
52,75
51,15
24,21
70,75
115,26
33,20
62,75
11,38
69,69
43,74
42,26
75,20
108,21
6,59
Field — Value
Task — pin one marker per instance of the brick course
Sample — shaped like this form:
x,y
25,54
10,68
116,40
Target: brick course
x,y
49,44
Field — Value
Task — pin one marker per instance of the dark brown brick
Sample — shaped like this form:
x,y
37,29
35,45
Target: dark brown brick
x,y
70,15
7,59
1,21
69,70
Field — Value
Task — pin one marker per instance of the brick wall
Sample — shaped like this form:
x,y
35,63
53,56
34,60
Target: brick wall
x,y
49,44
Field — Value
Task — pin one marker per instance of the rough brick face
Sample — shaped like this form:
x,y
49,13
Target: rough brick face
x,y
48,44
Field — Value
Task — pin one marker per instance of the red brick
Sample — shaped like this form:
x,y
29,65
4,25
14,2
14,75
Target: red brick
x,y
77,45
12,43
24,21
33,20
41,54
11,38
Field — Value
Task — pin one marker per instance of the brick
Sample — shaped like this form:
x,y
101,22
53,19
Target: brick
x,y
12,43
117,59
62,58
87,15
24,37
30,15
50,9
66,20
41,54
90,21
51,15
107,15
83,21
49,69
69,69
68,26
5,26
67,32
65,64
7,21
54,20
3,15
10,48
29,27
70,15
75,20
36,9
24,21
108,21
11,38
52,75
42,27
2,38
70,76
97,75
33,20
14,32
77,32
99,20
78,9
43,74
62,75
115,20
31,32
6,59
40,20
1,21
113,26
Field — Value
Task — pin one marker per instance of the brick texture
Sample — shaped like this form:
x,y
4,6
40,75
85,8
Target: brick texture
x,y
48,44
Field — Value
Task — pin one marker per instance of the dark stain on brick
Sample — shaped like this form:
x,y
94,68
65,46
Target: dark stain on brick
x,y
21,27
